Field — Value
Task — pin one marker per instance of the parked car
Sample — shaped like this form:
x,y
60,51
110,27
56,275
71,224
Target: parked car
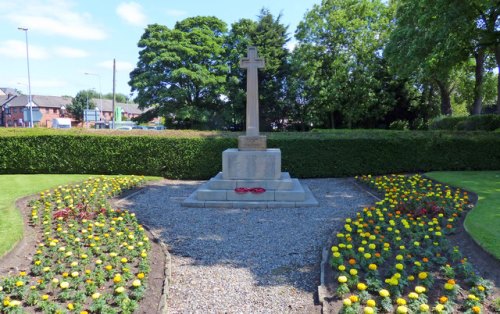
x,y
140,127
124,128
156,127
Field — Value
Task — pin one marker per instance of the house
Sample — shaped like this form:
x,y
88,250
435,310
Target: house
x,y
45,108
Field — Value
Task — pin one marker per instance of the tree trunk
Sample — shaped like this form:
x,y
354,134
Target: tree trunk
x,y
332,120
478,87
445,98
497,57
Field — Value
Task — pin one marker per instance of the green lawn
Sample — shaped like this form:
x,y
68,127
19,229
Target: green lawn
x,y
483,222
16,186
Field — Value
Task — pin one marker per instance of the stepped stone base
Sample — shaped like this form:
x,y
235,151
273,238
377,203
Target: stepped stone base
x,y
251,169
284,192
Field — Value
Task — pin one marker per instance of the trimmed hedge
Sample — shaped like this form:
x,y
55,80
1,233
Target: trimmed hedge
x,y
303,155
485,122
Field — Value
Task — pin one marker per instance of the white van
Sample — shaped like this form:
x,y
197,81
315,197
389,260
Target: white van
x,y
61,123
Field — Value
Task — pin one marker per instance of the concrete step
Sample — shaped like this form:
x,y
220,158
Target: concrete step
x,y
283,183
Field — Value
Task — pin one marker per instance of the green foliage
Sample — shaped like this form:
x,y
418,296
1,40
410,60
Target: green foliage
x,y
340,48
181,71
487,122
321,154
82,101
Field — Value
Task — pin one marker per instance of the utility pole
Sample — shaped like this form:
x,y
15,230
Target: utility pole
x,y
114,97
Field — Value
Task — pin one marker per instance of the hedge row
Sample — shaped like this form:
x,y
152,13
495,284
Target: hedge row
x,y
486,122
200,158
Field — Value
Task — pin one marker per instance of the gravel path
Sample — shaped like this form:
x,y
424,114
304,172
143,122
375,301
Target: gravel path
x,y
246,260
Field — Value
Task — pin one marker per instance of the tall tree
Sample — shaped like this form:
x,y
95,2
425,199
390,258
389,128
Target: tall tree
x,y
341,43
83,100
181,72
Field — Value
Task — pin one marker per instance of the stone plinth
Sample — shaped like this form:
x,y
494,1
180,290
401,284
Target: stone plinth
x,y
251,165
258,142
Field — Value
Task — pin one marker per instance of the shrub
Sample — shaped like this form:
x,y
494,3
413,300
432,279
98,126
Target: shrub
x,y
332,154
485,122
445,123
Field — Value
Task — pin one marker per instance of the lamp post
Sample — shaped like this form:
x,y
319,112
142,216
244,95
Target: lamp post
x,y
30,103
100,90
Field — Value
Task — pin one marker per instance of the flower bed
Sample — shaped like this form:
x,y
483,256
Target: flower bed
x,y
90,257
395,257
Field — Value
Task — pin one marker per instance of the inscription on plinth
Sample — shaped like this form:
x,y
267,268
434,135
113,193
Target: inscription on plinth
x,y
252,142
251,165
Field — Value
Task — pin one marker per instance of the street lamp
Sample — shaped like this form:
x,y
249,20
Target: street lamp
x,y
30,103
100,90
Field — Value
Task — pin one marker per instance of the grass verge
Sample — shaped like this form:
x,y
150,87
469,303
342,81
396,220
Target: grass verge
x,y
483,221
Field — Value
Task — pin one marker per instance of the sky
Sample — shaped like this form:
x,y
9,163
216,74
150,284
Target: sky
x,y
68,38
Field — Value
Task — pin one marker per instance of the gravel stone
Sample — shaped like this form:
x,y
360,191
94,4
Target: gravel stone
x,y
246,260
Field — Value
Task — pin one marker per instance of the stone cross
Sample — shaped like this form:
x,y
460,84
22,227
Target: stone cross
x,y
252,63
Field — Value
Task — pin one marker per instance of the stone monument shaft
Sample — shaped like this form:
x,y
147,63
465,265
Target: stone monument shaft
x,y
252,63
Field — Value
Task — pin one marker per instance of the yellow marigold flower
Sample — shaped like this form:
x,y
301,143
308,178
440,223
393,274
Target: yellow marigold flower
x,y
439,308
449,286
144,254
71,307
140,275
341,267
401,301
420,289
400,266
335,249
368,310
443,299
476,309
45,297
22,274
84,312
55,280
64,285
108,267
98,262
480,288
341,279
361,286
136,283
120,290
19,283
117,279
353,272
402,309
38,262
399,257
372,267
472,297
384,293
413,295
124,260
354,298
74,274
347,302
336,254
422,275
96,295
424,307
371,303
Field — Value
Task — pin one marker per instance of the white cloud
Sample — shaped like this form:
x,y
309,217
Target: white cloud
x,y
291,45
54,17
120,65
68,52
17,49
132,13
175,13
